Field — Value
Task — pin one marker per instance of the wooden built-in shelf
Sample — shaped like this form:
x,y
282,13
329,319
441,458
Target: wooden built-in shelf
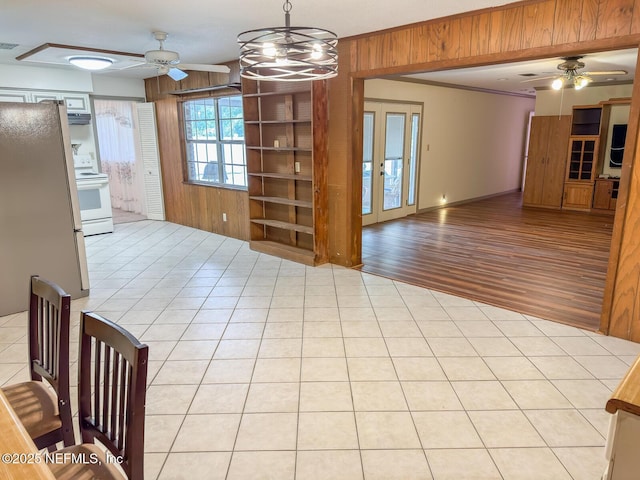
x,y
295,254
280,149
212,88
275,122
286,167
282,201
271,94
284,176
284,225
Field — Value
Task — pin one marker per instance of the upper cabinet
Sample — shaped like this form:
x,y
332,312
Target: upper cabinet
x,y
586,120
75,102
17,96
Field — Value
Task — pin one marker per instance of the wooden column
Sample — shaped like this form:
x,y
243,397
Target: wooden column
x,y
621,304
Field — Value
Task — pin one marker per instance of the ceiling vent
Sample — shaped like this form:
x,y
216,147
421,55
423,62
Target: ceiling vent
x,y
8,46
528,74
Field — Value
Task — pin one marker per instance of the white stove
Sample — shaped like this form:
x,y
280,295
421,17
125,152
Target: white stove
x,y
94,197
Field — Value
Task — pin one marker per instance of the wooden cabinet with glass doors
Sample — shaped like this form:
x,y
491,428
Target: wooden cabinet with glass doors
x,y
286,167
583,157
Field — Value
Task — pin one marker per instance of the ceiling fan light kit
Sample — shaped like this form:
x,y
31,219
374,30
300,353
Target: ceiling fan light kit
x,y
571,77
288,53
167,61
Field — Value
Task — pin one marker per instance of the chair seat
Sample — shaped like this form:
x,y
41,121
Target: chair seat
x,y
36,405
90,469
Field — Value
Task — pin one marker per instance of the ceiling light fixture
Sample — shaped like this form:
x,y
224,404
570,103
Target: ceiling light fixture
x,y
571,77
91,63
288,53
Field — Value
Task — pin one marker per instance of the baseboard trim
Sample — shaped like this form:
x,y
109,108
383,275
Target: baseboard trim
x,y
468,200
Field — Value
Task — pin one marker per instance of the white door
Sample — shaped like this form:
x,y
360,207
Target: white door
x,y
151,161
391,136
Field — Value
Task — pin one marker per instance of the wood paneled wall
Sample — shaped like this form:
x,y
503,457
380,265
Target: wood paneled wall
x,y
522,30
519,31
189,204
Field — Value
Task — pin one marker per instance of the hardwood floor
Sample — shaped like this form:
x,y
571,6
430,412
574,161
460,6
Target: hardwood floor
x,y
547,263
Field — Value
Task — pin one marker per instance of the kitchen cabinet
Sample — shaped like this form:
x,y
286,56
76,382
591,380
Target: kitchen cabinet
x,y
547,157
286,168
37,97
15,96
75,102
605,194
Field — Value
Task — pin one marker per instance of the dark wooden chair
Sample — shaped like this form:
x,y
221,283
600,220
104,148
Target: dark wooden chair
x,y
112,382
44,408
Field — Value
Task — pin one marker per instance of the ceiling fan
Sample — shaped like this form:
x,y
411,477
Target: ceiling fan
x,y
168,63
571,75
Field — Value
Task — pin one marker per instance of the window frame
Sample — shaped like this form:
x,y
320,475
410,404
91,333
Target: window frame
x,y
220,144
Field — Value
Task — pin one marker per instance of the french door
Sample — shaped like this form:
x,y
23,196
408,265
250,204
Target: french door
x,y
391,138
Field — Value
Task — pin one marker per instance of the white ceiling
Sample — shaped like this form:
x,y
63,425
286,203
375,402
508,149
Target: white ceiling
x,y
510,77
202,31
205,31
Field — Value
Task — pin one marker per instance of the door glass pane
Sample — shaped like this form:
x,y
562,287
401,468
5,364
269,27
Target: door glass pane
x,y
393,159
367,162
413,160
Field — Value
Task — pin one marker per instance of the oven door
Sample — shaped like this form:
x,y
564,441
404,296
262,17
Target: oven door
x,y
93,198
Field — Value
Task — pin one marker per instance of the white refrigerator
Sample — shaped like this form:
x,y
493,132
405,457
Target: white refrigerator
x,y
40,228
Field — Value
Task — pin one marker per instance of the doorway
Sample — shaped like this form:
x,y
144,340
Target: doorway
x,y
117,129
391,139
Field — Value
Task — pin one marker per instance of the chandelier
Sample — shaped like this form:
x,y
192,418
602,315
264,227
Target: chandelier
x,y
288,53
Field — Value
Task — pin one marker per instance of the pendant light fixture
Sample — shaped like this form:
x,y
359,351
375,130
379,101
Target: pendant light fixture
x,y
288,53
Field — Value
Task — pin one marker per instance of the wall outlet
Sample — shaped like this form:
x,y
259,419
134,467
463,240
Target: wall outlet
x,y
224,217
296,167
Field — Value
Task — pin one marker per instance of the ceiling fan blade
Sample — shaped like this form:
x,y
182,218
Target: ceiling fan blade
x,y
205,68
177,74
538,78
606,72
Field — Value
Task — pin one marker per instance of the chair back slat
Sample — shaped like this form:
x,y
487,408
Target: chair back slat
x,y
97,361
125,379
112,398
116,392
105,390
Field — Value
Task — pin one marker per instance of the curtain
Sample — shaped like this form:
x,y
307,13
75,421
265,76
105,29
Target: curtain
x,y
120,155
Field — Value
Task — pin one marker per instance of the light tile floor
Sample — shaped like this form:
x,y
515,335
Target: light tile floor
x,y
266,369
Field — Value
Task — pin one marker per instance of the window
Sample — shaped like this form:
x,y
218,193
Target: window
x,y
214,141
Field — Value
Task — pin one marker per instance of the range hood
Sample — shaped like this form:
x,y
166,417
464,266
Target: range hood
x,y
79,118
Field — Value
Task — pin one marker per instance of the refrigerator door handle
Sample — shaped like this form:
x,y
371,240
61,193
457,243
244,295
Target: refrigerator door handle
x,y
82,259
